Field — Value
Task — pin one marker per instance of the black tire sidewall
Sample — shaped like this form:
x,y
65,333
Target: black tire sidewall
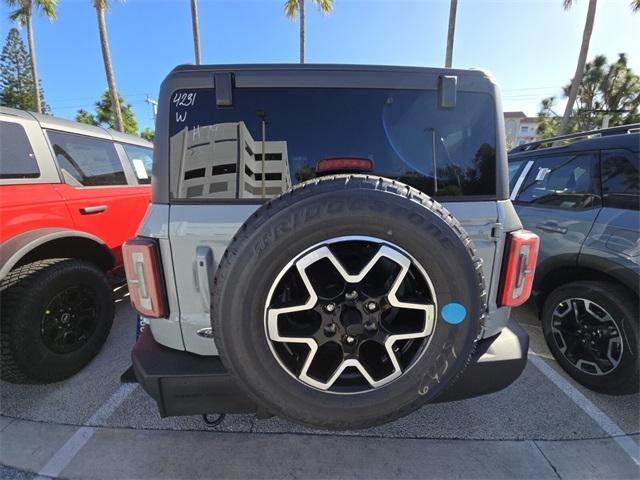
x,y
30,353
620,306
283,235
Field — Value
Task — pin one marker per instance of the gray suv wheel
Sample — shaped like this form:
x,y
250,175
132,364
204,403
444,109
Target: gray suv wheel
x,y
592,330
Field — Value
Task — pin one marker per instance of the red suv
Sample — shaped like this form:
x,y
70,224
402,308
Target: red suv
x,y
70,195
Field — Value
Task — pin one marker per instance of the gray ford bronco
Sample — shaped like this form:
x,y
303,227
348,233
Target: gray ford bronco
x,y
334,245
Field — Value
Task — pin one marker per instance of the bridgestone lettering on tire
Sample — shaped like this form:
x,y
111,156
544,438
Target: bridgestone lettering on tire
x,y
327,306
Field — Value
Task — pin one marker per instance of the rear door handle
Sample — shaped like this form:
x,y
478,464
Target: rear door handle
x,y
551,227
93,209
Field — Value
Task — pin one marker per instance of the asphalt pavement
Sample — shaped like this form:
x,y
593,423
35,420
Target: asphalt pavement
x,y
543,426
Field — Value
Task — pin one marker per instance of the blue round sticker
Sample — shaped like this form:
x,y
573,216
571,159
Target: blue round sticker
x,y
453,313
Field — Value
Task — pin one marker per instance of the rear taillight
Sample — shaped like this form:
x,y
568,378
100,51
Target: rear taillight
x,y
144,276
519,267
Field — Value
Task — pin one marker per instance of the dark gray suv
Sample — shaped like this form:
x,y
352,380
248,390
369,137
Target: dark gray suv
x,y
581,194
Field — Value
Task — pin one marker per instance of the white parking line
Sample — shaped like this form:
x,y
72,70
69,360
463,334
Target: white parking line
x,y
602,419
63,457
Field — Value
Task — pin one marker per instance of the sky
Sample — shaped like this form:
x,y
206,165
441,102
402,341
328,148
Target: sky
x,y
529,46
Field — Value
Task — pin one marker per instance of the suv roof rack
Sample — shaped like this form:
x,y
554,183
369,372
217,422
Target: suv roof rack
x,y
561,140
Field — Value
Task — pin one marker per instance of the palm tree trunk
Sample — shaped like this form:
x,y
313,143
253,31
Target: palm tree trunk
x,y
582,59
301,2
108,68
37,102
196,31
453,7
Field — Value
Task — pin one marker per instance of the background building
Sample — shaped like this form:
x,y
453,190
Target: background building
x,y
225,161
519,128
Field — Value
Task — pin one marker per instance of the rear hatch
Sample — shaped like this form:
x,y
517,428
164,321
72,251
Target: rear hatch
x,y
237,136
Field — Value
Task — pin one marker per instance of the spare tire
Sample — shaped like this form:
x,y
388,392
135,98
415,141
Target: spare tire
x,y
347,302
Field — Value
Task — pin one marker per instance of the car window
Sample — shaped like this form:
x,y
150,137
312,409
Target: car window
x,y
620,179
92,162
141,159
216,153
515,167
567,181
17,159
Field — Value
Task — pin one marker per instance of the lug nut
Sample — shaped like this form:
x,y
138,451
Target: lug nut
x,y
330,329
330,307
371,306
350,339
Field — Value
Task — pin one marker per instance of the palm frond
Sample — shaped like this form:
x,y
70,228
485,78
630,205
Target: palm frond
x,y
567,4
635,5
291,9
48,7
325,6
19,15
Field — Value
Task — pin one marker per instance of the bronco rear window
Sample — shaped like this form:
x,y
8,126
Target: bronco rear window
x,y
271,139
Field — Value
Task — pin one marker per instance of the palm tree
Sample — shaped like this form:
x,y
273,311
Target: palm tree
x,y
196,30
24,16
101,7
291,9
582,59
453,7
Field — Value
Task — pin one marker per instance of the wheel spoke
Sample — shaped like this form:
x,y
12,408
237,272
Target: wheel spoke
x,y
572,347
603,364
576,307
569,332
429,312
566,331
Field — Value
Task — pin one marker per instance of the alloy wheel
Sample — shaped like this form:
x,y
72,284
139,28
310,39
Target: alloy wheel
x,y
69,320
350,315
587,335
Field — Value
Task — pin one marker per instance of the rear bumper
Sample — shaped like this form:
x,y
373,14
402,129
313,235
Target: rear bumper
x,y
182,383
497,362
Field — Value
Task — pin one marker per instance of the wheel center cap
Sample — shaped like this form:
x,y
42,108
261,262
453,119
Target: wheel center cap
x,y
65,318
355,329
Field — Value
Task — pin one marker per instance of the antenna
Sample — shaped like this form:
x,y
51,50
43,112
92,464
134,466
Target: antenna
x,y
154,106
